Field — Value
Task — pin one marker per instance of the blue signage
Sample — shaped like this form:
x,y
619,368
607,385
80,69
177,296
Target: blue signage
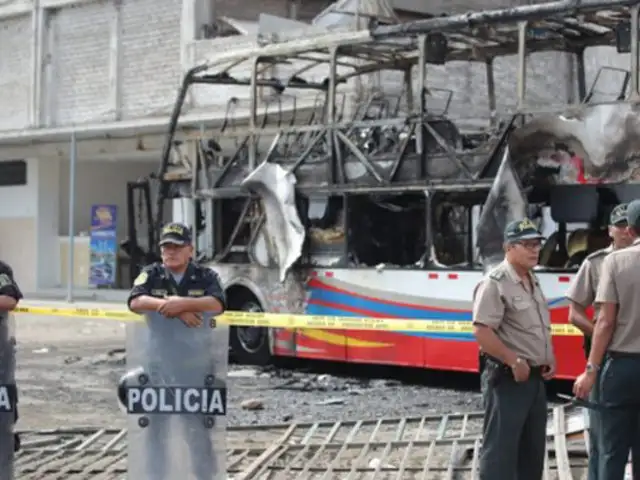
x,y
103,245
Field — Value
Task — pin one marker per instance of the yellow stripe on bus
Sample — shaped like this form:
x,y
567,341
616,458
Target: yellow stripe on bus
x,y
290,320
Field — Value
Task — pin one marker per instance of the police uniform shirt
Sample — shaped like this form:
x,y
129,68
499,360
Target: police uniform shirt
x,y
8,286
583,289
519,317
197,281
156,281
620,284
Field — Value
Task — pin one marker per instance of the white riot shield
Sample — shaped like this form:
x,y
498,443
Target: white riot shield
x,y
7,395
175,397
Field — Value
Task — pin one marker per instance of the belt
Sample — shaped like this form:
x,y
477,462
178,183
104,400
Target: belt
x,y
534,370
632,355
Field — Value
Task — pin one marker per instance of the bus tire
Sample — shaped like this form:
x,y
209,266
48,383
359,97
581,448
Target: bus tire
x,y
249,345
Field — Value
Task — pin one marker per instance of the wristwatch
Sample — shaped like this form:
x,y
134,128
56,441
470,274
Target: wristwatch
x,y
592,368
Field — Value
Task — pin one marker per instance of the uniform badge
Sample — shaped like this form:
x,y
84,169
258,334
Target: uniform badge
x,y
5,280
141,279
526,224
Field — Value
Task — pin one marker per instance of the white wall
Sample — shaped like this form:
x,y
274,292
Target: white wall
x,y
100,183
47,222
20,201
29,226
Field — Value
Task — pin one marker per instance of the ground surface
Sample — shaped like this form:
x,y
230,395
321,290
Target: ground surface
x,y
67,372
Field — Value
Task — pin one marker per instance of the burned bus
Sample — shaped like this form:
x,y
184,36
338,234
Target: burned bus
x,y
364,196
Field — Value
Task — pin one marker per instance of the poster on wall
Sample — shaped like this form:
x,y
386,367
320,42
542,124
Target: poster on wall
x,y
103,246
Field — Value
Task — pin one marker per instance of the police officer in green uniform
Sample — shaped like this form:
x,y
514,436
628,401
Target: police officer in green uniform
x,y
179,290
512,326
614,360
582,294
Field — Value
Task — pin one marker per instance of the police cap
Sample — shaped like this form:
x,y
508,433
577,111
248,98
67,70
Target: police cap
x,y
618,214
519,230
175,234
633,214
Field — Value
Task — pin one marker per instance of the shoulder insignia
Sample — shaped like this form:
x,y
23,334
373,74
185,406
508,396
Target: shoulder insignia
x,y
210,273
497,274
141,279
5,280
598,253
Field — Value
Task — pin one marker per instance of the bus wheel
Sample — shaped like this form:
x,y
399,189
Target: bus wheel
x,y
249,345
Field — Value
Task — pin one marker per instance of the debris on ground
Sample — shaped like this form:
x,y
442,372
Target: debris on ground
x,y
408,448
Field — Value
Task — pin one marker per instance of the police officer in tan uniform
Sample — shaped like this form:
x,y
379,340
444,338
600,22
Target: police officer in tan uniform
x,y
512,326
582,294
615,354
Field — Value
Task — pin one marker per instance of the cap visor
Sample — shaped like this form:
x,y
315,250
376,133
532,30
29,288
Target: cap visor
x,y
172,241
530,236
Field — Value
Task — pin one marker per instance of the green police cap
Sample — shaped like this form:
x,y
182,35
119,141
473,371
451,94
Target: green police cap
x,y
618,214
519,230
633,214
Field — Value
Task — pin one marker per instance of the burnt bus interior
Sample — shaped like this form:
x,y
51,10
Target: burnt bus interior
x,y
424,182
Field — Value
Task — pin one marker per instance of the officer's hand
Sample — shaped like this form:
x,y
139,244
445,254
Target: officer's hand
x,y
521,371
172,307
583,385
191,320
548,371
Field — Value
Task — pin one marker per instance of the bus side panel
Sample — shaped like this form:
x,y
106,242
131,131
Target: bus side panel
x,y
391,294
452,293
341,292
567,348
316,343
417,294
321,344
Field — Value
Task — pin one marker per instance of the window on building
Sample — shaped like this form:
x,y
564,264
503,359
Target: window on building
x,y
13,173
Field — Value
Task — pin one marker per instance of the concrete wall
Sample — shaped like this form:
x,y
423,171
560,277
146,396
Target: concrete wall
x,y
34,216
103,60
18,227
28,219
84,44
98,182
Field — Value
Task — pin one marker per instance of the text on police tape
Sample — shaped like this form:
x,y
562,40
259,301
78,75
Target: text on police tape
x,y
7,398
210,401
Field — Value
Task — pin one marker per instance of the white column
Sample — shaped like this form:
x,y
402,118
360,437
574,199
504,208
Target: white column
x,y
47,179
183,212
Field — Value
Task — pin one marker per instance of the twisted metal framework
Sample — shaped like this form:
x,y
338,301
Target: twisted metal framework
x,y
392,149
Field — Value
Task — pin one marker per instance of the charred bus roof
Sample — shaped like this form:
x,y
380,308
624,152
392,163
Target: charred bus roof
x,y
380,143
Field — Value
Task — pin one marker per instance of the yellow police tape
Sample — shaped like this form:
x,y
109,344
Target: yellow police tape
x,y
293,321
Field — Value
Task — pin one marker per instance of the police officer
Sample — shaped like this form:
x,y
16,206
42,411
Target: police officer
x,y
614,359
10,295
582,293
512,326
180,291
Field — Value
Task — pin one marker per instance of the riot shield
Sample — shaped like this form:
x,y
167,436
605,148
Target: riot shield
x,y
174,393
7,395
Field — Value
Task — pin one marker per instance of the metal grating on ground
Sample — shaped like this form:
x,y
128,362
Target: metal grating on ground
x,y
429,448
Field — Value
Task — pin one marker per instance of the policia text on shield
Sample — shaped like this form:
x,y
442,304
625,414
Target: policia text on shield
x,y
10,295
173,390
